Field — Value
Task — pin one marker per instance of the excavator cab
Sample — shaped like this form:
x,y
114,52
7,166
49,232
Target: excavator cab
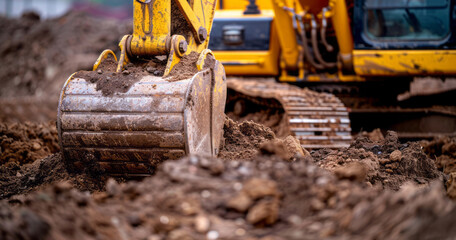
x,y
404,38
398,24
163,98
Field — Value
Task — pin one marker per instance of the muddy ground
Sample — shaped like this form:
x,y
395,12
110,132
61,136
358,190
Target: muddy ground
x,y
262,185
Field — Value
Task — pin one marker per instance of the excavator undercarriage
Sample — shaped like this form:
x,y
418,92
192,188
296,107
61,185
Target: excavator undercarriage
x,y
317,120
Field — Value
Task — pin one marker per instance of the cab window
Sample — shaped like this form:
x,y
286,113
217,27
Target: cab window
x,y
402,20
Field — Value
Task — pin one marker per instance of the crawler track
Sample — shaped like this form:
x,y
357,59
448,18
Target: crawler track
x,y
318,120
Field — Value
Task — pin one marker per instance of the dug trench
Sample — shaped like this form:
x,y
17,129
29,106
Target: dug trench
x,y
259,187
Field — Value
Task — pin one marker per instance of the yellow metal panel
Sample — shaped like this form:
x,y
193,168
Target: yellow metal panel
x,y
248,62
343,31
150,33
290,50
404,62
242,4
189,15
258,63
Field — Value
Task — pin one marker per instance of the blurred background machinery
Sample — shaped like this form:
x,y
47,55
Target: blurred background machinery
x,y
118,9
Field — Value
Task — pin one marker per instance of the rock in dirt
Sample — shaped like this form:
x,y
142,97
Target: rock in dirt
x,y
265,212
376,135
288,149
241,202
352,171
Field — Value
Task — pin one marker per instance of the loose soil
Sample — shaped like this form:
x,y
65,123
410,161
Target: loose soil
x,y
243,140
38,56
263,111
443,151
264,194
24,143
110,82
271,118
17,180
186,68
386,163
205,198
246,140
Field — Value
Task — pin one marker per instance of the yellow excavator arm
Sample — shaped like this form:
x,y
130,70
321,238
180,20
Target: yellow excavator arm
x,y
127,118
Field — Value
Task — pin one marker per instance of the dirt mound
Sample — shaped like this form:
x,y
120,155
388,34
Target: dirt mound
x,y
387,162
38,56
17,180
25,143
186,68
27,162
205,198
443,150
376,135
108,81
243,140
270,118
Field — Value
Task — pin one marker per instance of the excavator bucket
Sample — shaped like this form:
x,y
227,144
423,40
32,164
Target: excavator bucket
x,y
154,119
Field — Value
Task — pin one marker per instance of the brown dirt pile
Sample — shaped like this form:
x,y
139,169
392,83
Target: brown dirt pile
x,y
205,198
387,163
38,56
186,68
376,135
24,143
17,180
443,150
243,140
110,82
270,118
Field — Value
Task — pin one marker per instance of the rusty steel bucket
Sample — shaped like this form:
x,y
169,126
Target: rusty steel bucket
x,y
155,120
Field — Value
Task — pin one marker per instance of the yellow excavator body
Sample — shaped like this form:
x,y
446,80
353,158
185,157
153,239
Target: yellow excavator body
x,y
335,46
151,116
370,38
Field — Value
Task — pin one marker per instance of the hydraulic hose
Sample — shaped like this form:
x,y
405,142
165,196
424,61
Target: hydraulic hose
x,y
308,56
324,26
315,45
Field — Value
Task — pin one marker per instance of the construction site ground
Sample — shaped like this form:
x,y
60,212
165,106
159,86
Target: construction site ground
x,y
262,185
